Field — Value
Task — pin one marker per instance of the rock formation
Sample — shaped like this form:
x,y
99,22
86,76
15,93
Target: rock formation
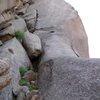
x,y
48,33
32,44
12,29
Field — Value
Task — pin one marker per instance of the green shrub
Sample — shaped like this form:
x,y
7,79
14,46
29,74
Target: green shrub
x,y
23,82
19,35
22,71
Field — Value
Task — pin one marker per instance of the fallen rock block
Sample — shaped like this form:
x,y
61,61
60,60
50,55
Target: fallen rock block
x,y
32,44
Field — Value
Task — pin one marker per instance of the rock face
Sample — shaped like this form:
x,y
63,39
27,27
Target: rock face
x,y
13,50
65,70
5,77
71,79
63,36
12,27
63,26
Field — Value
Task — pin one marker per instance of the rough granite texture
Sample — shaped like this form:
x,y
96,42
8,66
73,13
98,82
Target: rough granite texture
x,y
17,56
70,79
62,75
65,70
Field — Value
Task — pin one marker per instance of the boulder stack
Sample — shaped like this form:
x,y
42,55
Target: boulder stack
x,y
13,26
47,35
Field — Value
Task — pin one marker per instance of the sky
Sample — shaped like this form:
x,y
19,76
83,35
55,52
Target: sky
x,y
89,11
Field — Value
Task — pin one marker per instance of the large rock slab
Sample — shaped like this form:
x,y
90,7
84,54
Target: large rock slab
x,y
63,36
16,54
57,19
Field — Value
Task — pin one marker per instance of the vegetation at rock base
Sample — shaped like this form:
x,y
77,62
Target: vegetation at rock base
x,y
22,71
23,82
33,87
19,35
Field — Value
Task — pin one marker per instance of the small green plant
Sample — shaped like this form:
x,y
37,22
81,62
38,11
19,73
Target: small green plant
x,y
22,71
33,87
19,35
23,82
